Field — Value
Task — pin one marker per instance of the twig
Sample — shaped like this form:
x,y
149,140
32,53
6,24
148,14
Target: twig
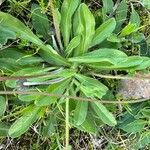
x,y
4,78
56,24
3,48
138,76
67,122
74,97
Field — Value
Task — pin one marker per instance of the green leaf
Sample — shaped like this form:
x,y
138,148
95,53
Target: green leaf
x,y
58,16
137,37
58,88
144,140
146,3
80,112
131,63
49,127
84,28
108,6
3,129
30,60
51,56
134,127
13,59
112,59
72,45
101,55
11,53
138,63
5,36
40,21
114,38
57,73
135,18
103,113
27,72
104,15
121,14
9,65
127,30
144,47
104,31
21,125
90,87
2,105
27,98
67,10
146,112
88,125
12,24
20,57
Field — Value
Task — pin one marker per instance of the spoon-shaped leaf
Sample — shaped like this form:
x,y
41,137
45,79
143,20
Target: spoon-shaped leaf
x,y
103,31
80,112
22,124
84,25
101,55
103,114
67,10
40,21
90,87
12,24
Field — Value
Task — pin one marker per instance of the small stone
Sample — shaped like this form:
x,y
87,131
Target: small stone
x,y
134,89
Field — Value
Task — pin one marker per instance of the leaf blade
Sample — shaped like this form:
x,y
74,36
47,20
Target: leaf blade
x,y
103,31
40,21
104,114
2,105
67,10
47,52
21,125
121,14
90,87
83,28
80,112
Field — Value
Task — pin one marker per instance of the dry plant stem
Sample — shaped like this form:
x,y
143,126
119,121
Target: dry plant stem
x,y
145,77
4,78
67,123
73,97
9,45
56,24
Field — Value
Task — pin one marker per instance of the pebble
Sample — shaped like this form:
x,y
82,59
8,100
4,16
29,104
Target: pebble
x,y
134,89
